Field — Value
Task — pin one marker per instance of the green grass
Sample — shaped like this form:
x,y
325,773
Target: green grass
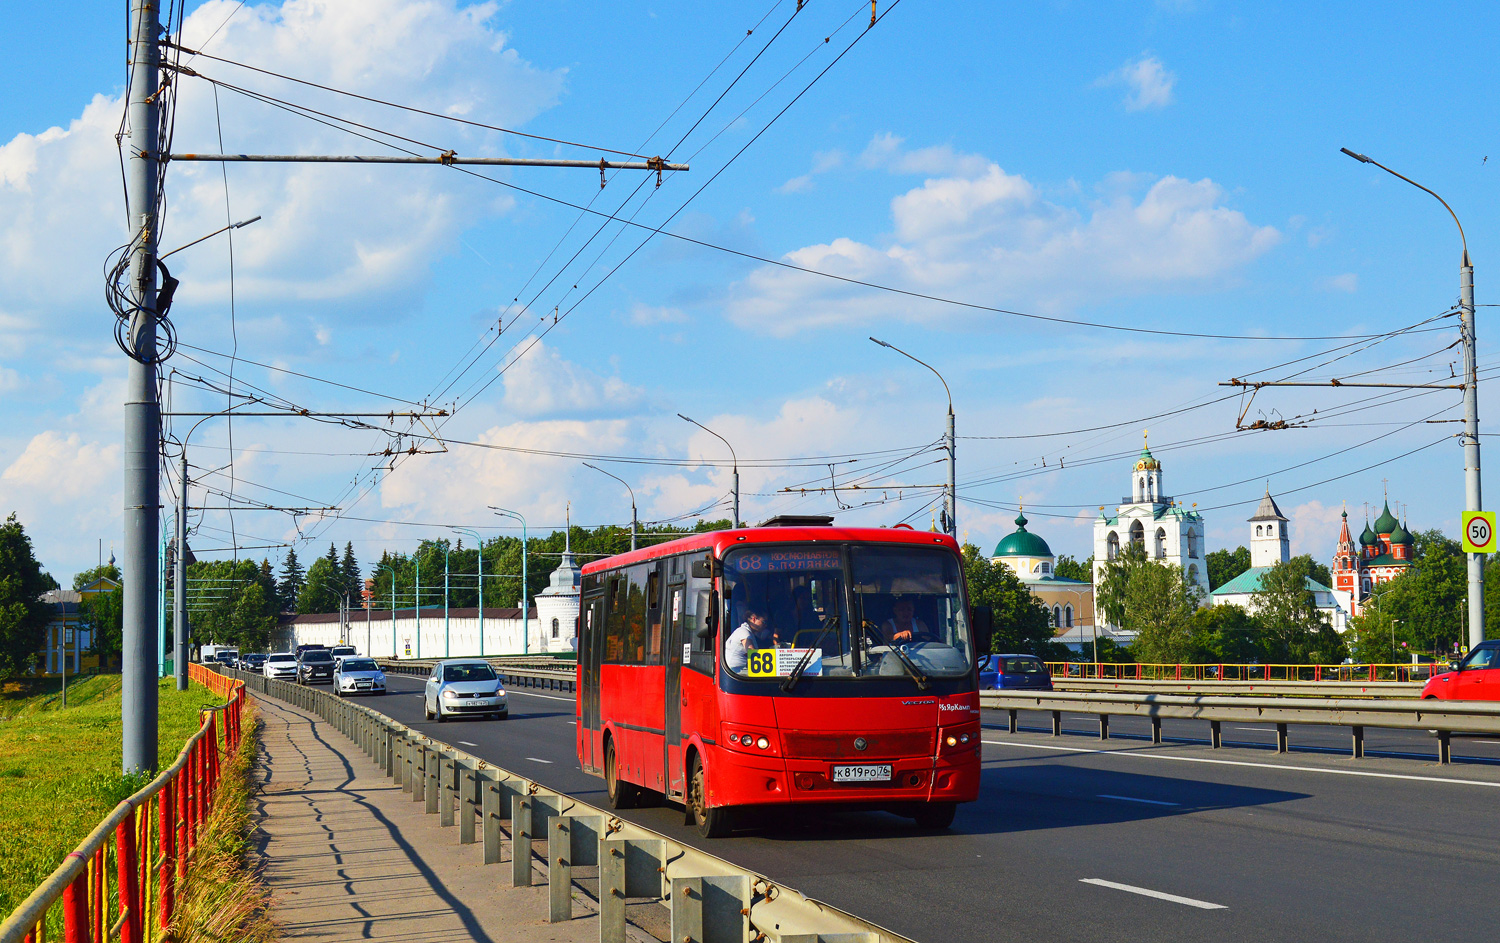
x,y
60,769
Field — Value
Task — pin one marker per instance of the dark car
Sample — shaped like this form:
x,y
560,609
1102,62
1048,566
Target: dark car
x,y
1013,673
315,666
307,648
252,662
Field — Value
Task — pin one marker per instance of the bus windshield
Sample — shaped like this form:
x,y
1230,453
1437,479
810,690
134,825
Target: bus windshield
x,y
869,610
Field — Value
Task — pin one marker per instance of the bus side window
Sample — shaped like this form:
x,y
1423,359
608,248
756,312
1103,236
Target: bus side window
x,y
614,619
696,602
635,616
653,617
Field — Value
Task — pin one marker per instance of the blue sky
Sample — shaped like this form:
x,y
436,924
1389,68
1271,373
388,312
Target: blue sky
x,y
1170,166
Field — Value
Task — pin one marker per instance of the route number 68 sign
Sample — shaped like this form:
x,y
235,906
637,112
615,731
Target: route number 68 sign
x,y
1479,532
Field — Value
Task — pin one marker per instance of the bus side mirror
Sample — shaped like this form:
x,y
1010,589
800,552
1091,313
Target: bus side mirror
x,y
703,570
982,618
710,622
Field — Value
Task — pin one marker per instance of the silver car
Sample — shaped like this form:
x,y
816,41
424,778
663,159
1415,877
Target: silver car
x,y
461,686
280,666
355,675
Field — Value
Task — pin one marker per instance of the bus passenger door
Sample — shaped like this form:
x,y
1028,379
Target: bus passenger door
x,y
591,650
675,638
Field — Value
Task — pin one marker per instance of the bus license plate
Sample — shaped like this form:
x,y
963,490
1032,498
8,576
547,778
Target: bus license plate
x,y
876,773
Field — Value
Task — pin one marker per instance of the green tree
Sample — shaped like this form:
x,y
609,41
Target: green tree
x,y
1160,603
105,571
1226,634
104,614
292,578
322,588
1293,631
1114,584
23,615
1070,569
1021,621
232,602
253,618
1225,565
349,569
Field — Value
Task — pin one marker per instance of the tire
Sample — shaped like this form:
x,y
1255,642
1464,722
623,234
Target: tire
x,y
710,822
441,718
622,795
937,816
426,713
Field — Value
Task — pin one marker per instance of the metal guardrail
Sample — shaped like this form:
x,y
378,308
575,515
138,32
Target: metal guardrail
x,y
1209,671
1355,689
711,900
1443,717
99,906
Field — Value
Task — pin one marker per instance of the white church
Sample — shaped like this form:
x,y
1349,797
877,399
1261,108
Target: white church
x,y
1270,544
1148,518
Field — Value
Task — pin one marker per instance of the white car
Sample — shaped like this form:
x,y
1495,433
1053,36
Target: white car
x,y
464,686
355,675
281,666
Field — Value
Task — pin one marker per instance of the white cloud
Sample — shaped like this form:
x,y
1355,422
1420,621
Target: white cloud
x,y
823,162
542,383
1315,530
1346,282
1148,83
646,315
322,236
992,238
886,152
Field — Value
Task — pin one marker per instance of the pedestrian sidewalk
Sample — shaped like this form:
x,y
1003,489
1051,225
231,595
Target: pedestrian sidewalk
x,y
348,856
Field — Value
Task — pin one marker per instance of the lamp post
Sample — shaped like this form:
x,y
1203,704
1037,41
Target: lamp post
x,y
525,620
416,559
633,523
368,646
1472,496
479,543
447,646
951,512
734,458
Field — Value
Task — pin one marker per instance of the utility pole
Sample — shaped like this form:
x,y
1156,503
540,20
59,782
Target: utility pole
x,y
179,580
1472,496
950,445
634,525
142,488
735,459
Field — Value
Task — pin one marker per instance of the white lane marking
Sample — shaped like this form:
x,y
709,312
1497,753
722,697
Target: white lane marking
x,y
573,723
539,760
468,744
1254,729
1484,741
1286,766
550,697
1159,895
1121,798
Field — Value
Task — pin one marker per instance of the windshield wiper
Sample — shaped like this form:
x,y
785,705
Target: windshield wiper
x,y
796,673
906,662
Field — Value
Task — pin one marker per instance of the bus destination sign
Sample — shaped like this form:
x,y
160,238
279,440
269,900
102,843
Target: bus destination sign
x,y
786,561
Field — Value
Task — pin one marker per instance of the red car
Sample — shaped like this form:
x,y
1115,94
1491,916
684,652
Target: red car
x,y
1477,677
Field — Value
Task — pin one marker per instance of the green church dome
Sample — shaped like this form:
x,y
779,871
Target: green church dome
x,y
1369,537
1400,536
1022,543
1386,523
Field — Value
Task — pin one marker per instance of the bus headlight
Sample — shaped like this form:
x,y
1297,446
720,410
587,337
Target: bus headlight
x,y
763,743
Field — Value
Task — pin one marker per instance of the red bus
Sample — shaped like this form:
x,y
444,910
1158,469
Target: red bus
x,y
791,662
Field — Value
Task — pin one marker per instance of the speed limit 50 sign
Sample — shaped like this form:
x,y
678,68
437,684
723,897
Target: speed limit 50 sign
x,y
1479,532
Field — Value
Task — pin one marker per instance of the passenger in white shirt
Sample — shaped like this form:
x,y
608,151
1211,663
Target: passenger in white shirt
x,y
754,633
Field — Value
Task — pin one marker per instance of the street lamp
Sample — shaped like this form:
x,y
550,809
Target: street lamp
x,y
368,646
478,542
447,645
734,458
1472,498
633,523
952,442
525,621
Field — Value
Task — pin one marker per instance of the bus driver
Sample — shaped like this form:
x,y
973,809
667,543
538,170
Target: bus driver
x,y
754,633
903,626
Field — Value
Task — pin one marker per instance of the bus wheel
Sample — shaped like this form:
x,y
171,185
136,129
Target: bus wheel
x,y
936,815
711,823
622,795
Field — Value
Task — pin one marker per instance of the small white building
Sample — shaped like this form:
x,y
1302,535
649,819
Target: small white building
x,y
1270,544
1148,518
557,609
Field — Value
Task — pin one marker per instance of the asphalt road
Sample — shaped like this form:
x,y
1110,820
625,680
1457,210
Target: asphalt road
x,y
1077,839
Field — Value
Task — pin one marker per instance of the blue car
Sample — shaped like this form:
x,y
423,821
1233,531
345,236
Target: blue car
x,y
1013,673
